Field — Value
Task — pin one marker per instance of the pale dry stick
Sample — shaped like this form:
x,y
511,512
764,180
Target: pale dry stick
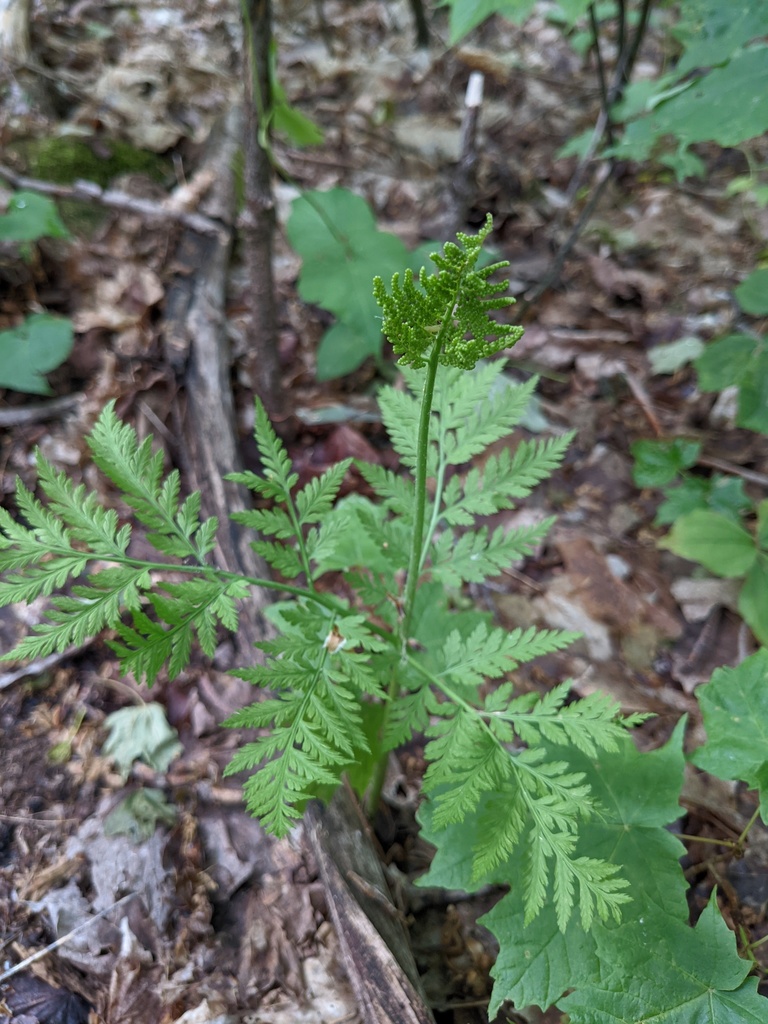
x,y
36,668
90,192
750,475
64,938
643,400
464,182
37,411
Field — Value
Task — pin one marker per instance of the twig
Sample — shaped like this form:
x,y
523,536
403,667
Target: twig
x,y
464,182
22,414
730,467
559,262
36,668
627,57
64,938
90,192
601,76
644,401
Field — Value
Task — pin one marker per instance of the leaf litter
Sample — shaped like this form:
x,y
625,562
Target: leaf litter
x,y
227,921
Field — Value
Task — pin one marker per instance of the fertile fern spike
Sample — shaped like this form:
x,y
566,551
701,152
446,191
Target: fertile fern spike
x,y
415,314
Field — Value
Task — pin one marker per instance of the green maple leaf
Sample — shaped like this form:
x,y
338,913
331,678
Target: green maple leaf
x,y
662,970
637,795
735,710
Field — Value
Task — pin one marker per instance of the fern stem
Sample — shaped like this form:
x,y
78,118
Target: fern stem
x,y
417,544
422,451
326,600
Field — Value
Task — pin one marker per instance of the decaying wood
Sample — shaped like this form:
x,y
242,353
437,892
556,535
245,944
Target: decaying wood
x,y
197,347
14,30
372,935
258,219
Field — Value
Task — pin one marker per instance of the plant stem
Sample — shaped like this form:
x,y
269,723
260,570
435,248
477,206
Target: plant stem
x,y
415,560
422,452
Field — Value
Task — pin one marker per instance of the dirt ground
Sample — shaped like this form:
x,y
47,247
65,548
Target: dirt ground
x,y
221,923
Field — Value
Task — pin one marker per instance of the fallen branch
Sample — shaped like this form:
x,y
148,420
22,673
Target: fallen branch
x,y
90,192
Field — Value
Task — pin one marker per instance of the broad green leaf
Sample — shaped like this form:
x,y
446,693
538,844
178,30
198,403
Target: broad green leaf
x,y
711,31
139,814
141,733
734,706
715,541
342,249
728,105
762,525
670,358
660,969
35,347
31,216
726,361
723,494
753,598
753,393
752,293
637,796
658,462
468,14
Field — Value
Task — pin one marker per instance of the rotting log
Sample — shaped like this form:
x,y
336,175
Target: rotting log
x,y
197,347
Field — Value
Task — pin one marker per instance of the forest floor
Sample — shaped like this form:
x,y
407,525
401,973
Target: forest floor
x,y
230,924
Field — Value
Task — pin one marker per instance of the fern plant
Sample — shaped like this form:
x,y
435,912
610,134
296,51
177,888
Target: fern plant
x,y
348,679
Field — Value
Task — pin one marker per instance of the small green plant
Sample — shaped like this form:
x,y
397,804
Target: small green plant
x,y
716,90
355,678
707,514
342,248
548,797
41,342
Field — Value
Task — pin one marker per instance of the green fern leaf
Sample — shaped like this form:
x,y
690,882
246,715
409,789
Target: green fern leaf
x,y
400,415
280,557
503,478
272,522
476,556
87,520
72,620
489,653
396,492
452,303
278,472
315,500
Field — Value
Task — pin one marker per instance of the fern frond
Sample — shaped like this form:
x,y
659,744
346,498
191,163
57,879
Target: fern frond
x,y
136,471
315,500
88,521
400,415
590,724
278,479
453,302
476,556
503,478
272,522
316,729
471,426
465,762
188,609
396,492
488,653
280,557
93,606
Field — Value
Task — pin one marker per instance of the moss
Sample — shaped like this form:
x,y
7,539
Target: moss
x,y
64,160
